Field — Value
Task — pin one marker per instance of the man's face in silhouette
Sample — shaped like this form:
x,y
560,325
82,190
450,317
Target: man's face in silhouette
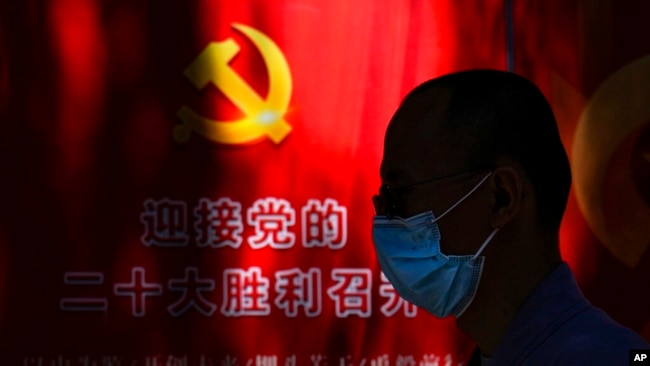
x,y
418,148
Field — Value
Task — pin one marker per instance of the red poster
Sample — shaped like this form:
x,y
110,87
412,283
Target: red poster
x,y
189,183
586,58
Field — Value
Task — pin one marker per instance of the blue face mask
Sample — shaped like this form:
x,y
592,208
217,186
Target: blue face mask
x,y
409,254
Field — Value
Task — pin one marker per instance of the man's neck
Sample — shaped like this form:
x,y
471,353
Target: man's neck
x,y
499,297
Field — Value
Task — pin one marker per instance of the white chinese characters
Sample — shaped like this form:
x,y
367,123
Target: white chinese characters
x,y
245,292
220,223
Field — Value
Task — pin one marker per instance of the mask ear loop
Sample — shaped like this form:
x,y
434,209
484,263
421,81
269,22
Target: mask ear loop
x,y
485,243
462,199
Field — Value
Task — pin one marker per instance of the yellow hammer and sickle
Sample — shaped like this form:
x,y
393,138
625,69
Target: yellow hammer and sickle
x,y
263,117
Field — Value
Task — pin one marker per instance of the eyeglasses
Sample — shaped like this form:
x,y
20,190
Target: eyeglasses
x,y
387,202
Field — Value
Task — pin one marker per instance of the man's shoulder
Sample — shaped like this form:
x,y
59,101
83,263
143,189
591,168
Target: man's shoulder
x,y
590,338
556,325
594,327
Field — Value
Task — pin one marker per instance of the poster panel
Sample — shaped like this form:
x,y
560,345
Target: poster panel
x,y
190,182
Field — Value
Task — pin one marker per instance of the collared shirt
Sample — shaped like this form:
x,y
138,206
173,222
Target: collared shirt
x,y
556,325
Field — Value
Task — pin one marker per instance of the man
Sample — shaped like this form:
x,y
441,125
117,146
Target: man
x,y
475,181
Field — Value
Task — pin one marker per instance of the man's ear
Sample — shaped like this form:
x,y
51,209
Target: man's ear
x,y
507,187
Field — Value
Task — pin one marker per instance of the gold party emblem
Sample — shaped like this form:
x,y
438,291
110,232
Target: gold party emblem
x,y
611,157
263,116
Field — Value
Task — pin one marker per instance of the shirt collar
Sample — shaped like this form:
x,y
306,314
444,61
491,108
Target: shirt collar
x,y
554,300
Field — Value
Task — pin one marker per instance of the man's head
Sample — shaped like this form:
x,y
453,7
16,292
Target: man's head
x,y
472,122
473,164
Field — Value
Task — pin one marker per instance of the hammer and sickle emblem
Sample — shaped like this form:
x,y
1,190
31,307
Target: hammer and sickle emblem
x,y
263,117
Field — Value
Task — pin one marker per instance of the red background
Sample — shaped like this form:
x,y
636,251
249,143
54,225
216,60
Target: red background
x,y
89,92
